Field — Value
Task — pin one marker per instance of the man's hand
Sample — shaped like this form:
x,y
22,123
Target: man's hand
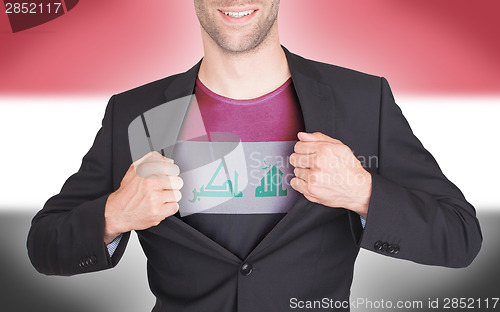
x,y
148,193
327,172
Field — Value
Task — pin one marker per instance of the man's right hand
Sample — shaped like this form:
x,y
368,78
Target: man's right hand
x,y
148,193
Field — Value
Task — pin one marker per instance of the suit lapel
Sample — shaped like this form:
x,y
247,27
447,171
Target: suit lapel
x,y
182,84
315,98
178,97
318,109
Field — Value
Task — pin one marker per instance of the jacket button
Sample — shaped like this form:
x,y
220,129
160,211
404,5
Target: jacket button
x,y
246,269
384,246
390,249
93,260
396,249
378,245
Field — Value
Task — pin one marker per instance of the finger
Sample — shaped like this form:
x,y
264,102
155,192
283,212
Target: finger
x,y
157,169
302,173
172,183
170,196
316,136
301,186
298,184
303,147
157,158
172,169
171,208
302,161
311,176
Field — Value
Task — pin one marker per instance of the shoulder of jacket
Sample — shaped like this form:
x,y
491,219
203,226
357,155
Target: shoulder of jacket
x,y
338,74
151,89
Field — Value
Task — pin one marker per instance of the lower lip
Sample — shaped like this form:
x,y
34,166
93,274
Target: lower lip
x,y
237,20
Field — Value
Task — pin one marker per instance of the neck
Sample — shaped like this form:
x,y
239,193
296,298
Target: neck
x,y
245,75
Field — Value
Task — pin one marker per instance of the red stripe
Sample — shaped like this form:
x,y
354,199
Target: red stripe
x,y
104,47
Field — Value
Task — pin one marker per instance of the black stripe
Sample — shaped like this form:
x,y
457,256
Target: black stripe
x,y
145,125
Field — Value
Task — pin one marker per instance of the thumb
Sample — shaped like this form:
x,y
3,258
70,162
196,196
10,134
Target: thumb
x,y
316,136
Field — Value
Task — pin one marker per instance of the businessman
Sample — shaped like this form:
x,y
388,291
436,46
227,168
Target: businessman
x,y
269,230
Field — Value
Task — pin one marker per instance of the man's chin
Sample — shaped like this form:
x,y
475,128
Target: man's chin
x,y
239,45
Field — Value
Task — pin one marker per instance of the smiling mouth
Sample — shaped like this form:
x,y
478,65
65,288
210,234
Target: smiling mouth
x,y
239,14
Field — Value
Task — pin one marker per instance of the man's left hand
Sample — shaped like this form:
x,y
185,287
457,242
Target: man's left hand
x,y
327,172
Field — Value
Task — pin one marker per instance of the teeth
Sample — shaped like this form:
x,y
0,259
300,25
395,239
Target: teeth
x,y
239,14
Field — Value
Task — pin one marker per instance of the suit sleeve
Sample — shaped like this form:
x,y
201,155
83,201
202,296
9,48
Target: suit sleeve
x,y
415,212
67,236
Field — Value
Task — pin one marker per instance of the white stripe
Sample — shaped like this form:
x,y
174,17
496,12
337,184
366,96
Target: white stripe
x,y
44,139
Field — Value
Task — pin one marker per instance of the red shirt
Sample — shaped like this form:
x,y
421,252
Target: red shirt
x,y
237,199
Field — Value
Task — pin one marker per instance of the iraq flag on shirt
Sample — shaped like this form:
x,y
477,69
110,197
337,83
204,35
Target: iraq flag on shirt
x,y
233,157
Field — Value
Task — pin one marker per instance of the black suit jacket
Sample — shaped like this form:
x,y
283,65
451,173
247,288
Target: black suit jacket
x,y
415,212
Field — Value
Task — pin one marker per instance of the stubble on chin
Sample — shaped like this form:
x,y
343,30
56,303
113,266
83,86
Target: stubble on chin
x,y
245,44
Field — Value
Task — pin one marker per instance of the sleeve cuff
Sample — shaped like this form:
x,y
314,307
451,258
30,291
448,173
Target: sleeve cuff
x,y
363,221
113,245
